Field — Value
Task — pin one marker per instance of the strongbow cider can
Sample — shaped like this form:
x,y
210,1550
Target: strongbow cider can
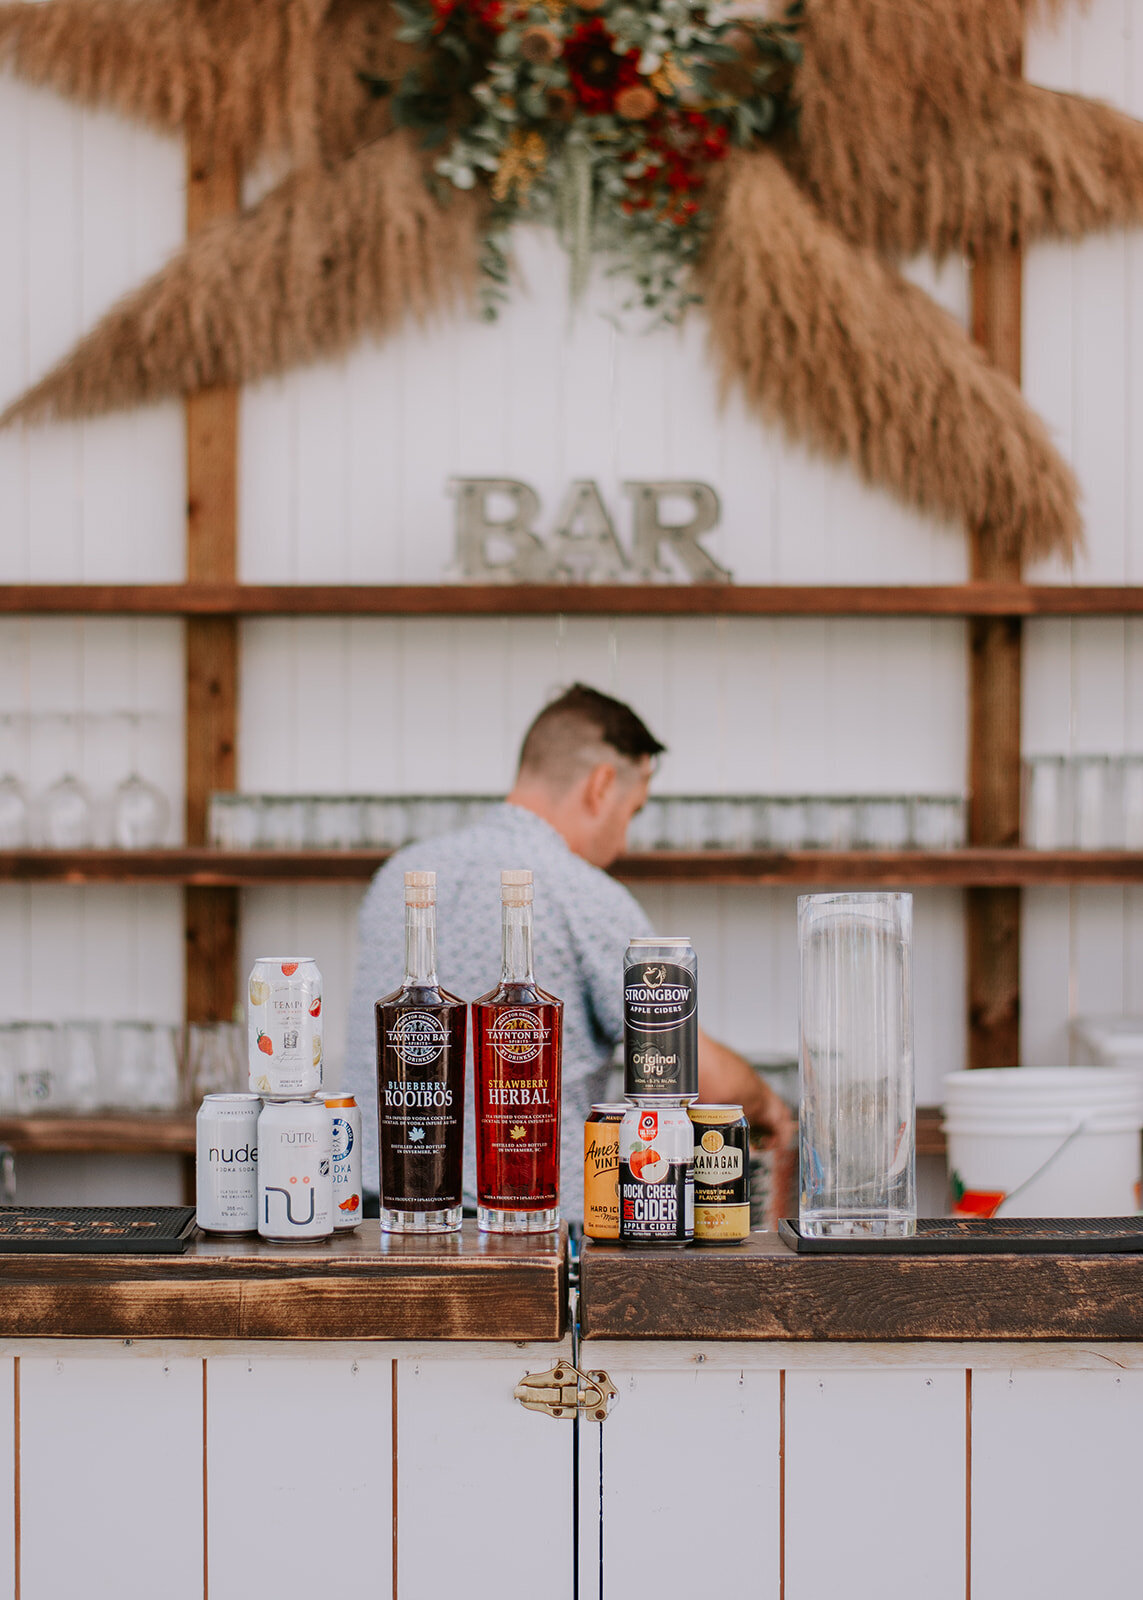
x,y
601,1171
226,1163
656,1176
660,1019
722,1174
295,1171
345,1126
285,1027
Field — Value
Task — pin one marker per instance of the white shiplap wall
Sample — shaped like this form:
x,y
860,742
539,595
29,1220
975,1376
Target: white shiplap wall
x,y
343,479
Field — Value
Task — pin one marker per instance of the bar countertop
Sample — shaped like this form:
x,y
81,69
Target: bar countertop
x,y
360,1285
762,1290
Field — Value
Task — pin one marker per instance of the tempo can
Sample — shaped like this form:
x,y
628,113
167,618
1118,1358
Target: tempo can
x,y
722,1174
226,1163
345,1127
284,1027
656,1175
601,1170
295,1171
660,1019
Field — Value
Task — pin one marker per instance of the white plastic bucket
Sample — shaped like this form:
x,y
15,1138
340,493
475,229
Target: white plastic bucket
x,y
1044,1141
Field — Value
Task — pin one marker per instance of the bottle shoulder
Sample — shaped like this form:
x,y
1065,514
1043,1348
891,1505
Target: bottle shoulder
x,y
424,996
519,994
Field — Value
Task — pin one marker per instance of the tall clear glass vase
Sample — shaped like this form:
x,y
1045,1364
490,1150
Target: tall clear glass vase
x,y
857,1120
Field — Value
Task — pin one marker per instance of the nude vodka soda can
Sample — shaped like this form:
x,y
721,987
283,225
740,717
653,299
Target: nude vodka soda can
x,y
284,1027
226,1163
660,1019
295,1171
656,1175
345,1126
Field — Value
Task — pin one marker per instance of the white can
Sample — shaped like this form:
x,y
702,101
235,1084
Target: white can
x,y
295,1171
284,1027
345,1123
226,1163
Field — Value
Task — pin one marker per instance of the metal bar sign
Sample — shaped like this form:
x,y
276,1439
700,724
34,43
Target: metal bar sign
x,y
497,541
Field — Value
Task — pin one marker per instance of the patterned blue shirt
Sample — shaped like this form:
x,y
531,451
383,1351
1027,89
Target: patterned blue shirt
x,y
583,920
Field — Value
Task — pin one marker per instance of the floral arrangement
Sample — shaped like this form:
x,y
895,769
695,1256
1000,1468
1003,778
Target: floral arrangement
x,y
605,117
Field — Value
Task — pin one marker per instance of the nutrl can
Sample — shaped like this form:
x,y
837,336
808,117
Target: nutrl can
x,y
656,1175
601,1171
226,1163
295,1171
722,1174
345,1124
285,1027
660,1019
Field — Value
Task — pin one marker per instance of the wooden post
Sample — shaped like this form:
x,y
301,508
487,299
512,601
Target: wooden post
x,y
994,738
210,915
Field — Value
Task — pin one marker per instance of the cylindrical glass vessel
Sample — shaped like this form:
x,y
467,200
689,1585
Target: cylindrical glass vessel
x,y
516,1033
421,1031
857,1113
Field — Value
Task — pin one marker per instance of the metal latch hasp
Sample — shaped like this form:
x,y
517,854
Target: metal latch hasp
x,y
565,1391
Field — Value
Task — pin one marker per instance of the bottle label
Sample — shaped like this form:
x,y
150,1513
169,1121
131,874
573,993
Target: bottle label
x,y
660,1009
417,1038
656,1177
517,1035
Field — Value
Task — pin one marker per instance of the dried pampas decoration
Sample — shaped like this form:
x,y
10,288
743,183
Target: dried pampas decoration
x,y
914,132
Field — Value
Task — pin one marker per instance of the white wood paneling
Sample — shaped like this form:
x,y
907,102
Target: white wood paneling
x,y
119,1445
485,1487
8,1590
1055,1483
876,1484
299,1476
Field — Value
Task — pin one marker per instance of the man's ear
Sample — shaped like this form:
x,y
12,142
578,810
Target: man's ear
x,y
598,787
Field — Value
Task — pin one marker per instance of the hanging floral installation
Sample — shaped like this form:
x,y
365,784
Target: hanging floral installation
x,y
774,168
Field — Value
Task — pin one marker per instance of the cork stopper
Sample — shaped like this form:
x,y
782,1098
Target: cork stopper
x,y
516,887
420,888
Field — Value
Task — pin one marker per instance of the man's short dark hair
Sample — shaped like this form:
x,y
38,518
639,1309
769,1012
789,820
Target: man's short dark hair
x,y
578,729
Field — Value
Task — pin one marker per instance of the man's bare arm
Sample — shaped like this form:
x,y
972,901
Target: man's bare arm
x,y
724,1076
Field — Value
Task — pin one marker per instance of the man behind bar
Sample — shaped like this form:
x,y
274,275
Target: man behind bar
x,y
585,768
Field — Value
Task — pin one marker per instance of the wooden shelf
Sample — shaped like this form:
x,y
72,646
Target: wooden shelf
x,y
497,600
906,869
115,1133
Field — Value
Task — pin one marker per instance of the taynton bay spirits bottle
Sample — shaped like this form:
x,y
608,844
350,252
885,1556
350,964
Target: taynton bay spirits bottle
x,y
516,1040
420,1081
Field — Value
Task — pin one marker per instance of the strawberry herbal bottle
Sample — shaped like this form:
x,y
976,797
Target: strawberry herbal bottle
x,y
421,1031
517,1038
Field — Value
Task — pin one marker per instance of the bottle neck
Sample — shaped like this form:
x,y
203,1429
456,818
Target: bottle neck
x,y
421,947
517,965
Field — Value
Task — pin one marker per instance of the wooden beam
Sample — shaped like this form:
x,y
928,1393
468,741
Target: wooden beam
x,y
210,914
993,915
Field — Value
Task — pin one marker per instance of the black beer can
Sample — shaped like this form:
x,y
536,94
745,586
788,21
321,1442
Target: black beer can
x,y
722,1174
660,1019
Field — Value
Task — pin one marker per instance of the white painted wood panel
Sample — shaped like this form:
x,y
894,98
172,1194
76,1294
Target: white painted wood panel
x,y
875,1484
1055,1483
485,1487
7,1478
111,1478
299,1476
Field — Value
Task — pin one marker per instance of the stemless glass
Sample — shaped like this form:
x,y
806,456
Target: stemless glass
x,y
856,1123
65,815
140,814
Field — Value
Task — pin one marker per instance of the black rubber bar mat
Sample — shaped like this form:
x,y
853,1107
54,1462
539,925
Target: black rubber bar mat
x,y
96,1230
981,1235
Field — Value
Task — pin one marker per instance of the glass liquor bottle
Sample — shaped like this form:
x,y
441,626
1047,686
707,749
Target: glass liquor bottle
x,y
421,1033
517,1037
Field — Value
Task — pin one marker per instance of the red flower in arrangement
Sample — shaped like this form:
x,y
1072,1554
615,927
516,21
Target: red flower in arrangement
x,y
596,71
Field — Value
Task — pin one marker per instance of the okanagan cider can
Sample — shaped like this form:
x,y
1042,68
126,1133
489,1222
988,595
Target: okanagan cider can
x,y
295,1171
284,1027
660,1019
346,1130
226,1163
601,1171
722,1174
656,1175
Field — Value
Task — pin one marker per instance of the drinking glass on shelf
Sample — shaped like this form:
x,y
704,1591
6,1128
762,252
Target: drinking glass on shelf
x,y
79,1066
13,813
233,821
937,822
139,815
882,822
1048,811
334,823
1132,768
282,821
831,823
1098,803
10,1056
216,1059
732,822
787,822
65,815
38,1079
142,1066
384,822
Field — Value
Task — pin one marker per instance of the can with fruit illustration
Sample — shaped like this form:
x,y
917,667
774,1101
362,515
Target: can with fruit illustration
x,y
601,1170
345,1121
656,1175
295,1171
284,1026
722,1174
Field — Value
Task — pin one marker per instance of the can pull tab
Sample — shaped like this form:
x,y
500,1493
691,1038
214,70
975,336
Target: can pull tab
x,y
565,1391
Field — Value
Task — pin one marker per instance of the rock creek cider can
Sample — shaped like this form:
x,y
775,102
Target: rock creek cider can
x,y
295,1171
285,1027
345,1127
660,1019
226,1163
601,1171
722,1174
656,1175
